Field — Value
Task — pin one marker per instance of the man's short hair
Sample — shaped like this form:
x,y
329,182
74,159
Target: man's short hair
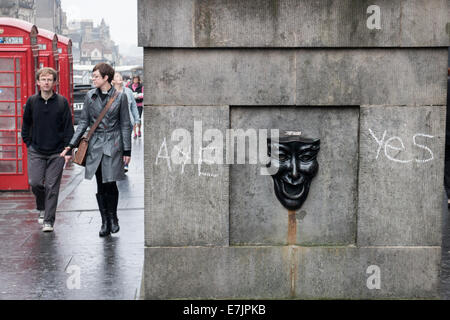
x,y
47,71
105,70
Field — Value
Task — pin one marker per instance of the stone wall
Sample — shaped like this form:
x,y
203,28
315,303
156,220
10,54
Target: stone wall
x,y
19,9
371,225
291,23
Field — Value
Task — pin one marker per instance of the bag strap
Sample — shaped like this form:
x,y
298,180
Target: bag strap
x,y
60,101
102,114
33,101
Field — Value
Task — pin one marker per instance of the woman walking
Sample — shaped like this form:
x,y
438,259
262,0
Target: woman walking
x,y
134,115
110,145
138,90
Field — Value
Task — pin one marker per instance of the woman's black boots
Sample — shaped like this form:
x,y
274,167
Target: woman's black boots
x,y
112,202
105,230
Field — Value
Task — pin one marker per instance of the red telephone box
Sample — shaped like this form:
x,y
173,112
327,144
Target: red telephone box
x,y
48,51
18,60
66,69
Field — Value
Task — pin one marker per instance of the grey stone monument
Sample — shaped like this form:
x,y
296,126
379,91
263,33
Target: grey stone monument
x,y
367,78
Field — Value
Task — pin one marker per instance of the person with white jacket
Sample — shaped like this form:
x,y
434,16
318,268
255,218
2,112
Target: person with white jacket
x,y
134,114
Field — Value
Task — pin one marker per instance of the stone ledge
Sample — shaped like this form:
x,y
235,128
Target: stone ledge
x,y
322,77
290,23
291,273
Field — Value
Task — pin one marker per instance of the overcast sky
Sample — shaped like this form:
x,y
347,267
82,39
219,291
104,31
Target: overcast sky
x,y
120,15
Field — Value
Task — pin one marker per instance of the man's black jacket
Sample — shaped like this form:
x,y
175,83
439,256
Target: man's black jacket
x,y
47,125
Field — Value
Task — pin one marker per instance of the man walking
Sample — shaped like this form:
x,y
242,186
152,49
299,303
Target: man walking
x,y
46,130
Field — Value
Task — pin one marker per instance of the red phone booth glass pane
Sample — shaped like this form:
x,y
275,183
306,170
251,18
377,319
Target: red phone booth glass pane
x,y
6,64
7,93
8,152
7,109
6,78
10,116
7,122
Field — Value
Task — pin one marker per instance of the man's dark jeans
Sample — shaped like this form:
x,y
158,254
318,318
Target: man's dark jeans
x,y
45,172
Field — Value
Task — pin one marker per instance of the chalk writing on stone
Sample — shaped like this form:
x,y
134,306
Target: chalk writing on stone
x,y
166,156
394,146
192,151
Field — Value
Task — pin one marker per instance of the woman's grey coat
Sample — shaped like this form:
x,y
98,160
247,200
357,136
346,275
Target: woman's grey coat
x,y
110,139
134,114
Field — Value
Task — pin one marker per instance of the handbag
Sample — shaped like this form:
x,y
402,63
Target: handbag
x,y
81,153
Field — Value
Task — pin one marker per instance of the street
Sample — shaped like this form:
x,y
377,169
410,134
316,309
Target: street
x,y
73,262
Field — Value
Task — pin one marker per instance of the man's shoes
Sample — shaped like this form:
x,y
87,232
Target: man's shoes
x,y
41,216
125,168
47,228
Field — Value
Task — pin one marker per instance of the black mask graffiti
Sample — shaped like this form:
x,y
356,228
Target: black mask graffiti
x,y
297,166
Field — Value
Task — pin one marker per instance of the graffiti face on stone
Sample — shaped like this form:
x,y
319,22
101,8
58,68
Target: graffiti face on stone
x,y
295,157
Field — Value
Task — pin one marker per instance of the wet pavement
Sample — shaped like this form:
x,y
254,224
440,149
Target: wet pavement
x,y
73,262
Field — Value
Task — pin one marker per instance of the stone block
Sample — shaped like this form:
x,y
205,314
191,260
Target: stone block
x,y
425,23
218,77
374,77
401,175
258,23
185,204
291,23
328,216
355,273
292,273
296,77
217,273
165,23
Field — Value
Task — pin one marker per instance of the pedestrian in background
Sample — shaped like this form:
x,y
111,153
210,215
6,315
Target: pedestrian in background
x,y
109,147
46,129
127,82
138,90
134,115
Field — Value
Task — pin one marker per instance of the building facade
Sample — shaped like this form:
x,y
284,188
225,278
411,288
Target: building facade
x,y
92,44
19,9
49,15
46,14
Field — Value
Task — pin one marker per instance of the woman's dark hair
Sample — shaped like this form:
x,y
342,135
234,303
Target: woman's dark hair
x,y
139,78
105,70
